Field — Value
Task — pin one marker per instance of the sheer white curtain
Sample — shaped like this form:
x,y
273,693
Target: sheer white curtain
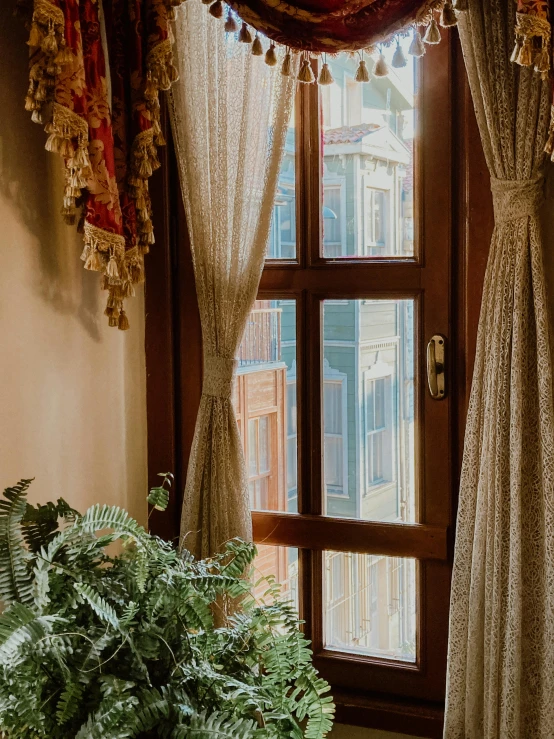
x,y
501,650
230,114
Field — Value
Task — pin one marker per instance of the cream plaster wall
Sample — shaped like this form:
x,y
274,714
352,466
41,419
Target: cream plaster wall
x,y
72,390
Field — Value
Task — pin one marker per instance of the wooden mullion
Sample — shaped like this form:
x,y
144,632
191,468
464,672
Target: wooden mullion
x,y
421,541
343,279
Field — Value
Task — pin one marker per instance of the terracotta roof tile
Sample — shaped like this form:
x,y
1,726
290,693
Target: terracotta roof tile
x,y
349,134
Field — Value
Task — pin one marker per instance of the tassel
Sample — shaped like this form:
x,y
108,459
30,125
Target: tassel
x,y
362,74
64,56
325,76
381,69
231,26
49,44
53,70
286,68
398,59
525,56
40,92
271,56
417,47
111,269
257,48
217,9
68,215
112,321
35,35
542,61
432,34
123,322
448,16
94,262
128,289
306,73
517,49
245,36
36,116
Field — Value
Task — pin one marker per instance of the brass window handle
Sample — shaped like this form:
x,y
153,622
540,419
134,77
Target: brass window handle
x,y
436,366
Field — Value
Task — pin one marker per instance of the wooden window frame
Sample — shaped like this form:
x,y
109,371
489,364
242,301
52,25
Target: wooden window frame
x,y
368,692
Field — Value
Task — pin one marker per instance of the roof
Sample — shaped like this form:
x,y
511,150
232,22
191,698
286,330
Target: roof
x,y
349,134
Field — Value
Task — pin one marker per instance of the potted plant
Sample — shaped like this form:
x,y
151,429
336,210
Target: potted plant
x,y
104,644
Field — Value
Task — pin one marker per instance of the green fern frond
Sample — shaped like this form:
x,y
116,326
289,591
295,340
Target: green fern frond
x,y
15,579
216,726
20,625
153,709
69,702
101,517
98,604
40,522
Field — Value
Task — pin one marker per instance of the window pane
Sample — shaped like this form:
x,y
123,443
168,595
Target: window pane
x,y
265,404
368,135
368,409
370,605
280,564
282,238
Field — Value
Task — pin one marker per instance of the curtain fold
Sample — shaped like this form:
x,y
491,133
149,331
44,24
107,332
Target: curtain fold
x,y
501,648
230,115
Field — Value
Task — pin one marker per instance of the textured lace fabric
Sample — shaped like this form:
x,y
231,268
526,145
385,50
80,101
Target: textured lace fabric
x,y
501,648
230,114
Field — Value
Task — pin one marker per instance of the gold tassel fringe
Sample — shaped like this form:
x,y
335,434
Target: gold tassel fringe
x,y
532,44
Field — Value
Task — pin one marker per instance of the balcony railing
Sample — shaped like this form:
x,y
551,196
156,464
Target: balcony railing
x,y
261,342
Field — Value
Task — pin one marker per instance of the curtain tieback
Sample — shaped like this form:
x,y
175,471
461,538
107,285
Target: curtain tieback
x,y
218,376
514,199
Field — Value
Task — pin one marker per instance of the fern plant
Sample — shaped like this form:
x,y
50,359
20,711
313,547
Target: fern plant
x,y
96,645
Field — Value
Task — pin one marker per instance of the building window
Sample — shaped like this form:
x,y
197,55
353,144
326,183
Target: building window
x,y
376,214
259,462
334,432
282,242
378,431
332,221
292,442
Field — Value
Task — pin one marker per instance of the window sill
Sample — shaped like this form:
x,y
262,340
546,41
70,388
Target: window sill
x,y
375,712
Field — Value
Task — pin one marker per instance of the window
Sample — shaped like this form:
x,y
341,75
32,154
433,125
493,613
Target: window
x,y
335,441
371,285
351,462
259,462
332,219
378,431
376,222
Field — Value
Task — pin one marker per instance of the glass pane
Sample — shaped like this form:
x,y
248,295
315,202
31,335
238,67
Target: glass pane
x,y
368,144
368,409
265,403
370,605
279,564
282,237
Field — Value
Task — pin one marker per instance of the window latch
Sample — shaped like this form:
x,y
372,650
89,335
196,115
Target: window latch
x,y
436,366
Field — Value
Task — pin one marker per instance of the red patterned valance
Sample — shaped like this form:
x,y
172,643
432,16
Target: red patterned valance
x,y
332,26
104,121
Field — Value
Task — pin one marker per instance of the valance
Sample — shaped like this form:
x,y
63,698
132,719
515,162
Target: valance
x,y
332,26
94,85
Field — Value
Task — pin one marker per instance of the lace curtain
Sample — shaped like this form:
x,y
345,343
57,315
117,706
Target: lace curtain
x,y
230,115
501,651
